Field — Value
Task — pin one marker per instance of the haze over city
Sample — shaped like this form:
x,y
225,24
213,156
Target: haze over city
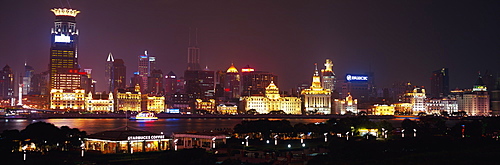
x,y
397,40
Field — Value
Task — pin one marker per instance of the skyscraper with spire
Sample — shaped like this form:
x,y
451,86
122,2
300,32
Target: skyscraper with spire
x,y
193,53
146,64
63,68
108,72
317,100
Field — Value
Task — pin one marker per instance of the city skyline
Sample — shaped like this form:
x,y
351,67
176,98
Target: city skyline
x,y
398,41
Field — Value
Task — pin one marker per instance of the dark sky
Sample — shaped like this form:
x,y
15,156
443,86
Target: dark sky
x,y
397,40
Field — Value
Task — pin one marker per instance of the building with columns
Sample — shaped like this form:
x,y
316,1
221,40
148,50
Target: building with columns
x,y
316,99
271,101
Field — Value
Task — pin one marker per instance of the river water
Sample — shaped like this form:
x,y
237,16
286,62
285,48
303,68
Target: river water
x,y
167,126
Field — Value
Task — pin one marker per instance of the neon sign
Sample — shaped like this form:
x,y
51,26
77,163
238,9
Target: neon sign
x,y
146,137
62,38
350,77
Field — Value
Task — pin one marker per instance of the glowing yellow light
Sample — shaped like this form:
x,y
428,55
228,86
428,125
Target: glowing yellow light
x,y
232,69
65,12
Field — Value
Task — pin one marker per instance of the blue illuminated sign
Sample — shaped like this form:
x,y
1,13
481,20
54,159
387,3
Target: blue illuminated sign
x,y
351,77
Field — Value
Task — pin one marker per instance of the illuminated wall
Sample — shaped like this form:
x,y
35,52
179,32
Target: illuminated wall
x,y
383,109
227,109
272,101
348,105
71,100
101,104
403,108
208,105
128,101
417,99
316,99
153,103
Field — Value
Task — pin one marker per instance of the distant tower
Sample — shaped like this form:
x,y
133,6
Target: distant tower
x,y
108,72
193,53
477,102
63,67
146,64
440,83
232,83
29,72
119,74
328,76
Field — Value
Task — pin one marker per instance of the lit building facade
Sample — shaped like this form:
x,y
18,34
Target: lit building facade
x,y
271,101
99,102
69,100
417,98
442,106
227,109
63,65
359,86
206,105
128,100
477,101
126,140
383,109
328,80
153,103
119,74
145,65
231,83
316,98
200,83
345,106
403,109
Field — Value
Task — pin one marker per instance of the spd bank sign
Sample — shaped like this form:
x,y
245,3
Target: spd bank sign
x,y
351,77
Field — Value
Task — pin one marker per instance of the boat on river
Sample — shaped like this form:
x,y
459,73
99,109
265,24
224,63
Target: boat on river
x,y
144,115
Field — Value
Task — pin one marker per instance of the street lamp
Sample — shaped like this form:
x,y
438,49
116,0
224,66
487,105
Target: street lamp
x,y
326,137
403,133
275,140
414,132
246,141
24,152
289,146
82,146
213,143
347,135
301,138
175,144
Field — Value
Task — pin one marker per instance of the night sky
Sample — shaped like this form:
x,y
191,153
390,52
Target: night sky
x,y
397,40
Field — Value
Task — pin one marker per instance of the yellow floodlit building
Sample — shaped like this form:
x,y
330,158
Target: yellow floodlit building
x,y
99,102
227,109
272,101
69,100
316,98
403,108
207,105
383,109
347,105
153,103
128,100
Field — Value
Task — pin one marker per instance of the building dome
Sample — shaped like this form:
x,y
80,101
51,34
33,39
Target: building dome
x,y
232,69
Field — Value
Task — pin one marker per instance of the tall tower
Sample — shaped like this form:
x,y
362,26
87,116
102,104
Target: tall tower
x,y
328,76
440,83
232,83
119,74
108,72
63,67
146,64
193,53
6,83
26,78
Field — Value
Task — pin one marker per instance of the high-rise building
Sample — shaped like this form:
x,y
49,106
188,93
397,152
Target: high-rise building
x,y
328,80
146,64
119,74
171,82
108,72
317,99
440,83
29,72
255,82
200,83
417,98
6,83
495,98
40,84
63,68
359,86
231,83
155,82
193,53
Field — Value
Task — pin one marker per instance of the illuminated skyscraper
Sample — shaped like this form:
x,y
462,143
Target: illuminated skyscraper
x,y
119,74
477,101
146,64
63,68
29,72
440,83
328,80
108,72
193,54
231,83
316,98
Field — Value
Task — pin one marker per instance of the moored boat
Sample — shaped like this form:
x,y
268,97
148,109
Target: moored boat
x,y
144,115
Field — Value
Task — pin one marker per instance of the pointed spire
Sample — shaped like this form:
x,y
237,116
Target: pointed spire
x,y
316,73
110,58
